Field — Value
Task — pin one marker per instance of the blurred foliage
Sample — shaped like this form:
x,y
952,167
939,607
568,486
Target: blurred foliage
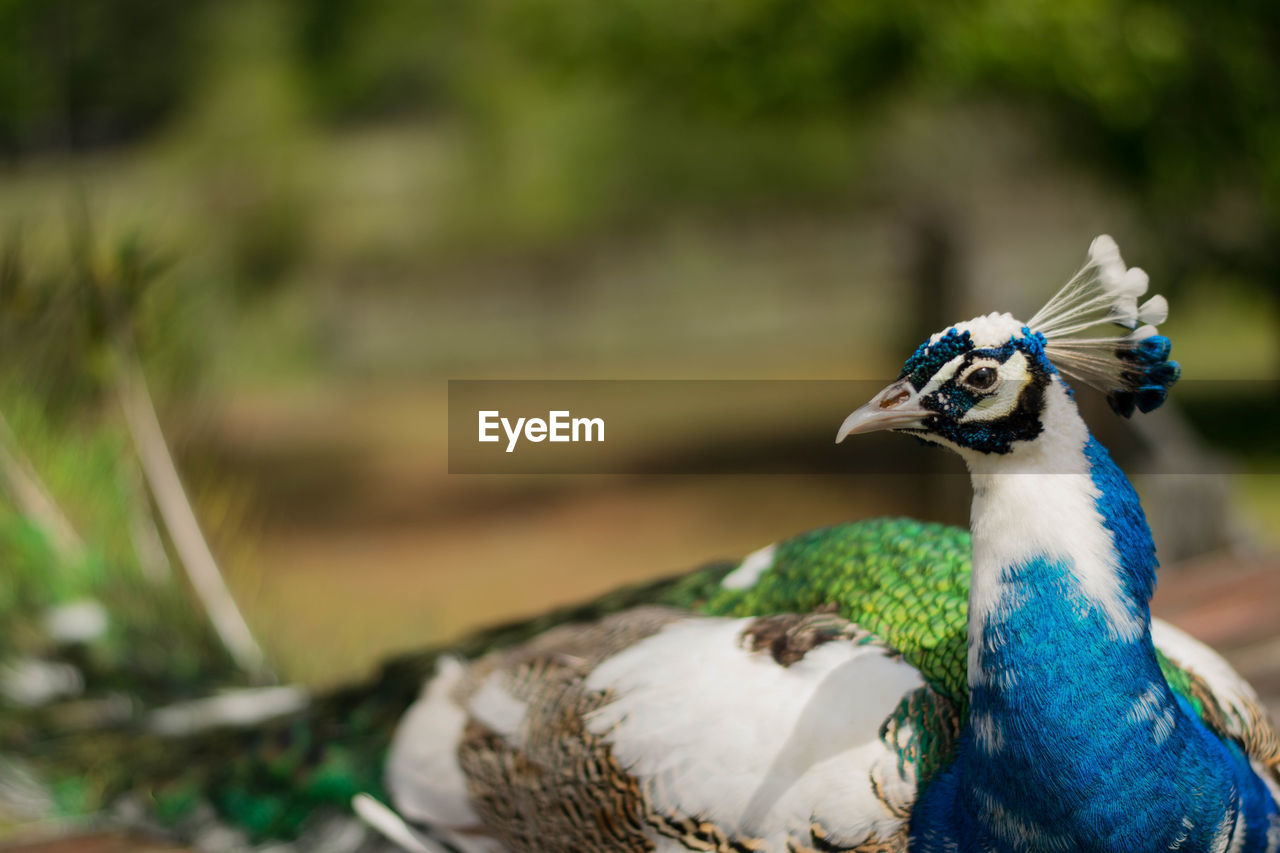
x,y
81,72
373,58
736,61
1177,102
44,327
577,111
158,644
59,325
62,334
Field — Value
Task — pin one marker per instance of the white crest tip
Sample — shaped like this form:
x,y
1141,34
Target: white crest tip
x,y
1104,250
1154,311
1136,281
1125,314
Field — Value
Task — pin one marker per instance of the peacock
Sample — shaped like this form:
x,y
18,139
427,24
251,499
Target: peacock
x,y
880,685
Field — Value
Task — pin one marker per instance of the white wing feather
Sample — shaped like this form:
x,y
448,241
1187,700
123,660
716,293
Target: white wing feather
x,y
423,775
731,736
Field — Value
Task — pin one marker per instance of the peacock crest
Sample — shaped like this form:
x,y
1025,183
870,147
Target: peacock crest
x,y
1132,368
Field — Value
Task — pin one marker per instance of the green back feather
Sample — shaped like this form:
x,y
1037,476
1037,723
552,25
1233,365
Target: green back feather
x,y
905,581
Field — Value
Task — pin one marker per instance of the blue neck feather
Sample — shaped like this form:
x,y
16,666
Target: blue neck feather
x,y
1123,517
1074,740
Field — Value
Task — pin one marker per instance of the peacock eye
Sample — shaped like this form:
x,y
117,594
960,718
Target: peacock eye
x,y
981,379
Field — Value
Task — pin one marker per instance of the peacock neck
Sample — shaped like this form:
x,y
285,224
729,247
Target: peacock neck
x,y
1063,570
1057,521
1069,712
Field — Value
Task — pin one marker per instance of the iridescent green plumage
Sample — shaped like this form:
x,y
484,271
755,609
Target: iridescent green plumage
x,y
905,581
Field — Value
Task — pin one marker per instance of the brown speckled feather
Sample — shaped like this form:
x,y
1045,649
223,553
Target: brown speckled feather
x,y
540,768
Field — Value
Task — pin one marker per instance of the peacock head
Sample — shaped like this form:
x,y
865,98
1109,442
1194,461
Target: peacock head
x,y
984,386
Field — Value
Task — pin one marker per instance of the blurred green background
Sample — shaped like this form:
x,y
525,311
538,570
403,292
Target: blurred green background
x,y
299,218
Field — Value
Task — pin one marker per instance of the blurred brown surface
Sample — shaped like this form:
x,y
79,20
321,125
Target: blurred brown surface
x,y
1232,603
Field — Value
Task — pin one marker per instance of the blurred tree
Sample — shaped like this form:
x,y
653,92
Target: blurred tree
x,y
76,73
613,107
736,60
373,58
1177,103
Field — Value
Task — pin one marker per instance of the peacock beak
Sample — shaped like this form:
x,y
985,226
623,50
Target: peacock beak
x,y
896,407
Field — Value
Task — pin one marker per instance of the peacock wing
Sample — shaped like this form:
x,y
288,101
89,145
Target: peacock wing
x,y
658,729
1225,702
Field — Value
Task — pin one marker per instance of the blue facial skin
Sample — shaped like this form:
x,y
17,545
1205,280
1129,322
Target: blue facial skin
x,y
1083,746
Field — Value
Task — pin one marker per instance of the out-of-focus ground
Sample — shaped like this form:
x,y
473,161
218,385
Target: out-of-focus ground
x,y
73,843
1231,604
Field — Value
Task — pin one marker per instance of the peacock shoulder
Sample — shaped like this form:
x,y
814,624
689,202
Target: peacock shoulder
x,y
905,581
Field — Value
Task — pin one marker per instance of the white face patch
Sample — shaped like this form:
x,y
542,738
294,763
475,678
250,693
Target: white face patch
x,y
1011,378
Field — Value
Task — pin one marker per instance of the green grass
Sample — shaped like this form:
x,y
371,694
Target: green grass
x,y
156,635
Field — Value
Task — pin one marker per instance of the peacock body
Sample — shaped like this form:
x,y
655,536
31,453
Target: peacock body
x,y
885,685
